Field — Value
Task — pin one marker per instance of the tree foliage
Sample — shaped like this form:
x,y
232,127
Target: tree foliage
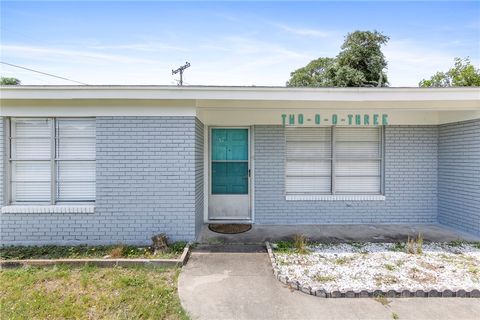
x,y
360,63
318,73
4,81
462,74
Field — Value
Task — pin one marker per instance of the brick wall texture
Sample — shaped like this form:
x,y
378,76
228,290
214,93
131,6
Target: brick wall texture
x,y
199,174
459,175
2,159
147,183
410,182
150,180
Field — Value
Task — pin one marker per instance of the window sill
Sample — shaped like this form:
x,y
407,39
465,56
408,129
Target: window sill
x,y
49,209
331,197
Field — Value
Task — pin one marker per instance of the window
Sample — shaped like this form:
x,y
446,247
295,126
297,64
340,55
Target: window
x,y
333,160
52,160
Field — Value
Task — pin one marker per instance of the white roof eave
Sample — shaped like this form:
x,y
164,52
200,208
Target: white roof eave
x,y
237,93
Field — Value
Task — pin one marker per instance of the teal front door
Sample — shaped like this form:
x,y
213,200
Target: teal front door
x,y
229,174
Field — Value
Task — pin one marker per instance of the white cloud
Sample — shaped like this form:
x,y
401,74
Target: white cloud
x,y
409,62
245,45
53,53
308,32
146,47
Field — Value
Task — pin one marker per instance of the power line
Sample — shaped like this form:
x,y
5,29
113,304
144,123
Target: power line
x,y
44,73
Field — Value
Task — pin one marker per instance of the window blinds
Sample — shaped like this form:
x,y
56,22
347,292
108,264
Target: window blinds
x,y
308,165
31,160
75,154
358,160
66,146
333,160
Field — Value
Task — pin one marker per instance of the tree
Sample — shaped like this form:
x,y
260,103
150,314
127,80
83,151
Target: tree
x,y
4,81
462,74
318,73
360,63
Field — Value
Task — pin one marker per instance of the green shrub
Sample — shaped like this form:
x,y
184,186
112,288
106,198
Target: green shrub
x,y
284,246
456,243
399,247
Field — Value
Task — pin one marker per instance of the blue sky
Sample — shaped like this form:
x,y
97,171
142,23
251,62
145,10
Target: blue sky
x,y
227,43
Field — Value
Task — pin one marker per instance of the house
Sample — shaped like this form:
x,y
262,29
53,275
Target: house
x,y
110,164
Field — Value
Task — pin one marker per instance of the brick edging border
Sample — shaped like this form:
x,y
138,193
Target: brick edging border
x,y
294,284
101,262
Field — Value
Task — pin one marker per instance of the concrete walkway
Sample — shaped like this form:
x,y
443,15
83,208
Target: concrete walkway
x,y
240,285
337,233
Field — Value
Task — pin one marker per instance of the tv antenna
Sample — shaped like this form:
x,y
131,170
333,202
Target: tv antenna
x,y
181,69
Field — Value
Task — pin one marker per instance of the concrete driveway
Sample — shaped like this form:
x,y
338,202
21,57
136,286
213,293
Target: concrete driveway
x,y
240,285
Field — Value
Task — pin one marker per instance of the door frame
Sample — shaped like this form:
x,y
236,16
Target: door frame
x,y
208,170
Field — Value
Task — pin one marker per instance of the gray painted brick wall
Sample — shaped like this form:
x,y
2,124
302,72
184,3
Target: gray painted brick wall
x,y
199,142
459,175
2,159
146,184
410,187
150,180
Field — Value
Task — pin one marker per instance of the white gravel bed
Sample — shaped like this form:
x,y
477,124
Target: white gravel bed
x,y
383,266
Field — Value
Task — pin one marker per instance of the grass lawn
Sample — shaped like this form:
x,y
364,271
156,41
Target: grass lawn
x,y
63,292
84,251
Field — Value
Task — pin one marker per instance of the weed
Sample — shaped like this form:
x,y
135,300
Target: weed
x,y
389,267
399,263
395,316
456,243
85,251
284,246
282,262
410,245
474,270
387,280
342,260
382,300
131,281
415,245
300,243
117,252
177,247
476,244
357,245
215,241
421,276
84,277
399,247
420,243
322,279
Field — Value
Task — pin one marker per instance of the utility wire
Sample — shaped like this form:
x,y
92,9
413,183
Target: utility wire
x,y
44,73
